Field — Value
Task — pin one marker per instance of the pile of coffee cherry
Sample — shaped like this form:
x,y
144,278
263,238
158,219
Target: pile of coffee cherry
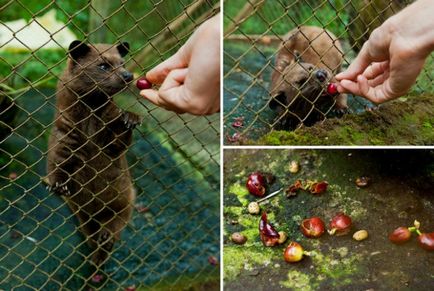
x,y
314,227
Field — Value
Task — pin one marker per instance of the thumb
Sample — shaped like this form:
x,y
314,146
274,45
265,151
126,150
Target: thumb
x,y
158,74
169,96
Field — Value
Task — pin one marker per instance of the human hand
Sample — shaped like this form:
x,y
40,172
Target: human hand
x,y
390,61
190,79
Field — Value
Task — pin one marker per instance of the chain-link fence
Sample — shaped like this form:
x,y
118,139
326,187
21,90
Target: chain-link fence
x,y
89,232
280,56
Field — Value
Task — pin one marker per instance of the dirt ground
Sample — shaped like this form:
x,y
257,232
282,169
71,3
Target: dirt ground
x,y
399,193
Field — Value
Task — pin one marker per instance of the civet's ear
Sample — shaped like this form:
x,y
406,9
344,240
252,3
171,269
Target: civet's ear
x,y
78,49
123,48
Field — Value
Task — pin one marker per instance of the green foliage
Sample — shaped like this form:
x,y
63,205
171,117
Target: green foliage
x,y
24,68
138,22
74,13
277,17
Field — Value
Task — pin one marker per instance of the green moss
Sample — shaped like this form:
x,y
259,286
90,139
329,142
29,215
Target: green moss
x,y
252,253
402,122
427,124
281,137
233,210
299,281
351,135
337,266
238,258
427,129
241,192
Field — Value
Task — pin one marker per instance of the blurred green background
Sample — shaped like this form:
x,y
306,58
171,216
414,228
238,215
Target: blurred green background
x,y
141,23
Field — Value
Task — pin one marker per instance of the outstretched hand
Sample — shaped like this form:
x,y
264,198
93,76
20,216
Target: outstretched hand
x,y
190,79
390,61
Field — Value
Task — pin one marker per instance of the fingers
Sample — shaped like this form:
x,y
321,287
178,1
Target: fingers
x,y
364,88
160,100
376,69
153,96
174,79
378,80
361,87
375,75
158,74
167,95
348,86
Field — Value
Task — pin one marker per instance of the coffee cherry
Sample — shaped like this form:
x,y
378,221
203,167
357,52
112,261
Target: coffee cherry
x,y
253,208
256,184
293,252
426,241
312,227
340,224
294,167
319,187
269,235
97,278
362,181
332,89
400,235
143,84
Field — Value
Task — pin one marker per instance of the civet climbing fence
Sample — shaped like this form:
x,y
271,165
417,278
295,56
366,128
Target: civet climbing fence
x,y
172,238
253,32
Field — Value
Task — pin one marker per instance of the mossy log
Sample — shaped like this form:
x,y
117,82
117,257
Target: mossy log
x,y
407,121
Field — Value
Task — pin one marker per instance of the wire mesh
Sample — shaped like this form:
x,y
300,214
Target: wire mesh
x,y
279,57
171,238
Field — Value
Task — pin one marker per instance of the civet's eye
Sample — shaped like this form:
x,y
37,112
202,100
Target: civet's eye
x,y
104,66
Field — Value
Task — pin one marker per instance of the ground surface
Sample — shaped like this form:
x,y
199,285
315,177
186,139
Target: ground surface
x,y
400,192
